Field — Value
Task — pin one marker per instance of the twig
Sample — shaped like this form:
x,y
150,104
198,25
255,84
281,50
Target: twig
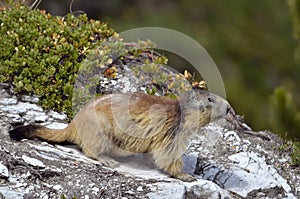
x,y
35,4
70,8
119,189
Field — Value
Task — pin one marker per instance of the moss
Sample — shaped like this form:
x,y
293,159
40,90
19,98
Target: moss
x,y
40,54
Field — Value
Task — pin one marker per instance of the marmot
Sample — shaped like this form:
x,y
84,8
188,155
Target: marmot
x,y
118,125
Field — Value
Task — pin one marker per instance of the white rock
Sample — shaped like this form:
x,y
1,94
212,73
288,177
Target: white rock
x,y
95,189
8,101
57,125
57,187
143,89
8,193
190,161
168,190
42,118
58,116
137,166
21,107
31,99
3,171
113,82
15,118
151,187
140,188
44,195
206,189
35,116
234,141
130,192
33,161
128,88
252,173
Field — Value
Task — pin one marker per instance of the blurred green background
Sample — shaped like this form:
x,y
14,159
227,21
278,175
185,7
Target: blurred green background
x,y
253,43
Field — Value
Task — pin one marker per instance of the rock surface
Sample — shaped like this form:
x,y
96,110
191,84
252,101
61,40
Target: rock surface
x,y
226,163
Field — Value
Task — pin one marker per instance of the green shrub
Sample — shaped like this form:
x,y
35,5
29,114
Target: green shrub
x,y
285,114
296,154
43,55
295,13
40,54
286,120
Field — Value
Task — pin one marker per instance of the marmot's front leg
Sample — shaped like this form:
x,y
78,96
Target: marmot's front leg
x,y
102,159
175,170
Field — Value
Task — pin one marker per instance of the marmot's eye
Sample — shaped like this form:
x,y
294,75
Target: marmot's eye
x,y
211,99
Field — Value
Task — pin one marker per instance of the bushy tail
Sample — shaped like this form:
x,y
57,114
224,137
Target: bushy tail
x,y
43,133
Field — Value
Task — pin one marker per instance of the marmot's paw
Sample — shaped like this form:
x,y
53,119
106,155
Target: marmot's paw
x,y
185,177
107,161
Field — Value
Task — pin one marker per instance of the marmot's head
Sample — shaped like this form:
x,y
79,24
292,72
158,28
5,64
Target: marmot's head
x,y
204,105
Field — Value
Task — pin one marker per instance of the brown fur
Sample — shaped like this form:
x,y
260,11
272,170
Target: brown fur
x,y
119,125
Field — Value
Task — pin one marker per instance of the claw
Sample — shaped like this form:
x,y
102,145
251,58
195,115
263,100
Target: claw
x,y
185,177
